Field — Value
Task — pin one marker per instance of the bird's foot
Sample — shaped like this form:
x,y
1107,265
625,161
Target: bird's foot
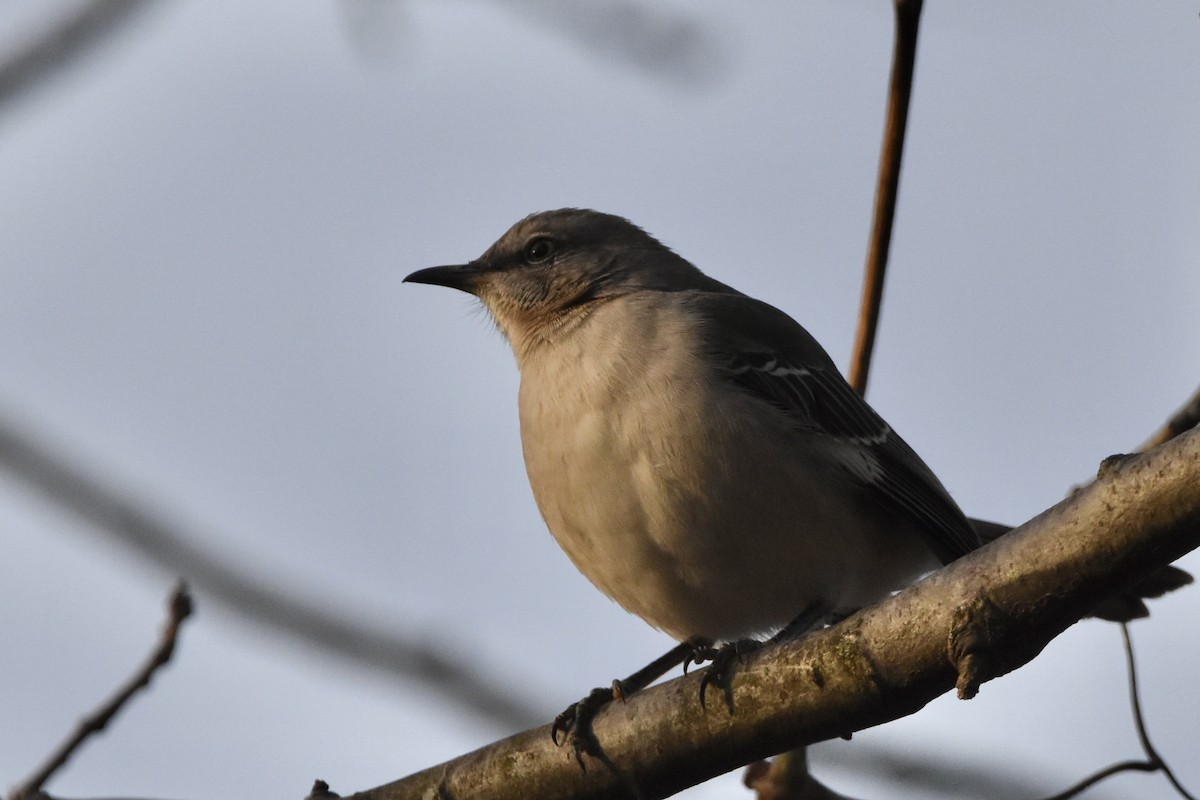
x,y
573,727
720,671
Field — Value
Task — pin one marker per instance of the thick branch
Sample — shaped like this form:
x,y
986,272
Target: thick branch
x,y
978,618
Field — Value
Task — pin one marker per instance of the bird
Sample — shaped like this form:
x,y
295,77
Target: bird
x,y
695,451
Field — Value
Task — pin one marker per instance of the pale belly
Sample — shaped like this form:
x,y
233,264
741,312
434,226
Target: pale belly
x,y
684,524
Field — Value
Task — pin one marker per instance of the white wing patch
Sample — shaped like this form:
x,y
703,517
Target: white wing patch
x,y
863,465
819,402
810,396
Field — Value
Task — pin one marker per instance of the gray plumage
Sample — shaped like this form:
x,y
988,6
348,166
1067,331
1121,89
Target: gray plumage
x,y
695,451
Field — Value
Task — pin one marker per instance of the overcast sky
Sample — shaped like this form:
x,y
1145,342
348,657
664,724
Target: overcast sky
x,y
206,222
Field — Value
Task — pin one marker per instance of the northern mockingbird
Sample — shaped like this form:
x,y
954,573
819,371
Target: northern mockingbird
x,y
695,451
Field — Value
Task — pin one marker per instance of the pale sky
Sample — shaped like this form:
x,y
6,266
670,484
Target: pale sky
x,y
206,222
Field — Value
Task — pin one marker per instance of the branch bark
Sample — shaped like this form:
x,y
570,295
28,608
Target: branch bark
x,y
981,617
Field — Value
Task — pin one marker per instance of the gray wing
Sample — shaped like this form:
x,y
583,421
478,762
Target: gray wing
x,y
768,355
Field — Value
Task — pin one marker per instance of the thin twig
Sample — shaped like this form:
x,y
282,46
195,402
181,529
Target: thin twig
x,y
1184,419
904,55
1107,772
1135,701
179,608
1153,763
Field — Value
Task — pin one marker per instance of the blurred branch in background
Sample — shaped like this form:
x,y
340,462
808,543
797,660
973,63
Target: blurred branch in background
x,y
656,41
929,775
75,33
666,43
118,515
376,29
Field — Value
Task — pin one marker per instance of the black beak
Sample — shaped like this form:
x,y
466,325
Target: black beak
x,y
464,277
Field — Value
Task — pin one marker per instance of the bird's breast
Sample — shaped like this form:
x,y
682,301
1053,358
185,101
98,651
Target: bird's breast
x,y
703,520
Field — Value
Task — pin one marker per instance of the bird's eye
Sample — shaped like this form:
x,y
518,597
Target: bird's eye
x,y
538,250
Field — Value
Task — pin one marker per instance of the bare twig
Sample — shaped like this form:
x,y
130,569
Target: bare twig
x,y
1107,772
1136,704
179,607
65,40
152,536
904,55
1184,419
1153,763
980,617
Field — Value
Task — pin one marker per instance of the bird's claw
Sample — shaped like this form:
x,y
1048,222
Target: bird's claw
x,y
574,725
720,671
701,652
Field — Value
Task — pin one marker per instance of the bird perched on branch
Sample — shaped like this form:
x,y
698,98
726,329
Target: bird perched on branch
x,y
695,451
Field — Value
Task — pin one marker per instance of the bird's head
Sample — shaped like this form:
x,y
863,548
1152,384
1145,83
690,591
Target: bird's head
x,y
547,270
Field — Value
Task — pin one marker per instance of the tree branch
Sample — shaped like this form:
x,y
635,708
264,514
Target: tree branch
x,y
979,618
179,608
904,58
